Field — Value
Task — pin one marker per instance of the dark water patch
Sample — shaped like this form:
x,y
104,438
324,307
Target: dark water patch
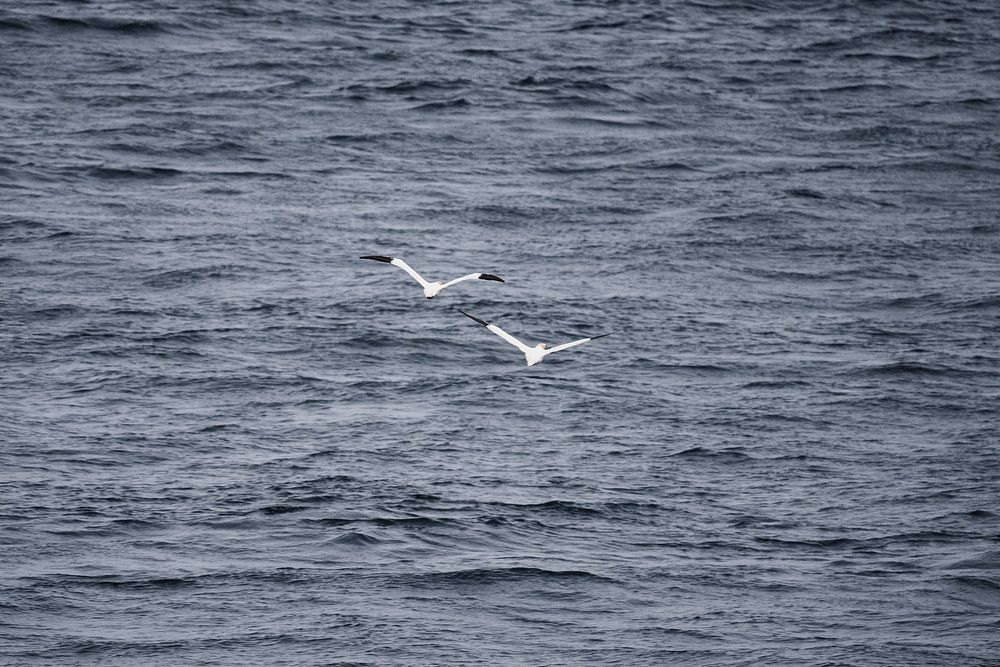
x,y
626,123
417,86
446,105
215,148
216,428
730,454
140,173
557,507
903,58
592,24
697,370
662,166
805,193
985,229
355,539
282,509
415,522
532,81
978,102
775,384
796,276
872,44
907,368
933,165
140,583
989,560
979,304
478,577
866,87
16,228
13,24
116,582
367,138
138,27
58,312
879,134
135,524
371,340
183,277
873,544
183,336
229,192
759,521
981,591
926,300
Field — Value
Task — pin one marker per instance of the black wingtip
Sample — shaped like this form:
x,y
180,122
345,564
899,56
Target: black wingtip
x,y
483,322
602,335
378,258
490,276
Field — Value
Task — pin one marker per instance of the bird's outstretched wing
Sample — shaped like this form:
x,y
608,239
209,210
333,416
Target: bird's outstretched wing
x,y
473,276
395,261
498,331
566,346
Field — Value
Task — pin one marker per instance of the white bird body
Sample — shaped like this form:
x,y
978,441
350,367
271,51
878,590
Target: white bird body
x,y
533,355
431,289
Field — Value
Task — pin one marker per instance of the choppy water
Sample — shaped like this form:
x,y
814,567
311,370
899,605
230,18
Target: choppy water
x,y
224,439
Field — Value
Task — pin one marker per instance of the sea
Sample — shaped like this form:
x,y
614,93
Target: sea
x,y
226,439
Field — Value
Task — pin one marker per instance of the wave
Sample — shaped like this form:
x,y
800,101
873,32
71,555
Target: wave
x,y
137,582
556,506
14,24
646,363
115,581
214,147
17,228
593,24
281,509
988,302
912,300
937,166
488,576
410,522
124,26
182,277
355,539
698,452
906,368
980,591
367,138
142,173
805,193
457,103
873,43
776,384
422,85
866,543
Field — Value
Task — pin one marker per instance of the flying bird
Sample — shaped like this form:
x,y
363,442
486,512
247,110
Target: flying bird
x,y
533,355
430,288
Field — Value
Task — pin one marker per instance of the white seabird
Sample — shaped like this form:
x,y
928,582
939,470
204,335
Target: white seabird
x,y
430,289
533,355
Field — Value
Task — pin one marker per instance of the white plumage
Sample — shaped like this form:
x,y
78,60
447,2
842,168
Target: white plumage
x,y
431,288
533,355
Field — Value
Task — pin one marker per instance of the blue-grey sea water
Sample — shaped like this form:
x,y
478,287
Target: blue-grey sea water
x,y
227,440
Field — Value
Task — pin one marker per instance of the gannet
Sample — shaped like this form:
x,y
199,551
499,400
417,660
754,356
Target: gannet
x,y
430,289
533,355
